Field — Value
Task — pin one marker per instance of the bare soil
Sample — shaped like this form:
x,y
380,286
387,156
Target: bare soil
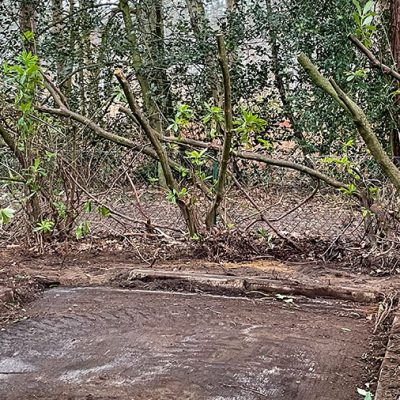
x,y
104,343
107,343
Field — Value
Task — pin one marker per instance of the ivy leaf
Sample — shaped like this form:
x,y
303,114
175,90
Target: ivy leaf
x,y
88,206
82,230
368,20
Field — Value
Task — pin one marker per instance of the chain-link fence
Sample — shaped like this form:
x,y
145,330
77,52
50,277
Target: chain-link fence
x,y
260,199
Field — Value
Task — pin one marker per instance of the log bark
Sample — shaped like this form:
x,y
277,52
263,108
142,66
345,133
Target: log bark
x,y
248,285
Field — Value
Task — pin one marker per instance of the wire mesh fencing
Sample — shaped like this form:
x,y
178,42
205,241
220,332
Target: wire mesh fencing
x,y
261,200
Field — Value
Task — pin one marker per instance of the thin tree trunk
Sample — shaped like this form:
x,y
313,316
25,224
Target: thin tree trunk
x,y
150,105
280,84
360,120
27,22
200,27
227,145
137,61
57,13
154,137
395,44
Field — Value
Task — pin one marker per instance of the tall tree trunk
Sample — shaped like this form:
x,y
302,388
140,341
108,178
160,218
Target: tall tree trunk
x,y
395,44
201,30
157,45
280,84
70,62
57,13
153,26
89,96
27,22
137,59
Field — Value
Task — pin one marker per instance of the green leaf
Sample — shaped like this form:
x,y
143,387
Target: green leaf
x,y
49,155
357,18
25,107
104,211
367,20
368,6
82,230
6,215
358,6
349,190
171,196
88,206
349,143
365,393
44,226
153,180
61,208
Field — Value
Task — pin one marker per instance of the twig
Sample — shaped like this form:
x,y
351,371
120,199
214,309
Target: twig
x,y
375,63
385,308
338,237
262,210
111,210
252,156
228,134
9,179
306,200
263,217
139,205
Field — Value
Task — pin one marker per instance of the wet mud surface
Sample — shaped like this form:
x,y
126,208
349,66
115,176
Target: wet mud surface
x,y
106,343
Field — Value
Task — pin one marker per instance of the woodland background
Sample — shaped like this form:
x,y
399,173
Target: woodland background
x,y
115,117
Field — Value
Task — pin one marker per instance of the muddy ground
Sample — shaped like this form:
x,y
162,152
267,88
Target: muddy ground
x,y
113,343
102,342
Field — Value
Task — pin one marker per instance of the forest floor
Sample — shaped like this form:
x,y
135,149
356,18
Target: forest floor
x,y
104,325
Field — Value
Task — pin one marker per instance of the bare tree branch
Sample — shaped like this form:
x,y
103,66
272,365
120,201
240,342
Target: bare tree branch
x,y
227,145
375,63
154,137
360,119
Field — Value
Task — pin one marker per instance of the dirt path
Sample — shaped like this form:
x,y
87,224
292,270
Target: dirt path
x,y
106,324
104,343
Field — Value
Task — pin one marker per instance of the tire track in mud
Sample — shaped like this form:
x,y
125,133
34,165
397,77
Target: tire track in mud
x,y
123,344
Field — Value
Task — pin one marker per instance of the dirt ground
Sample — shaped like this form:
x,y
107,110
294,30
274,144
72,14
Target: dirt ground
x,y
182,345
24,274
104,343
